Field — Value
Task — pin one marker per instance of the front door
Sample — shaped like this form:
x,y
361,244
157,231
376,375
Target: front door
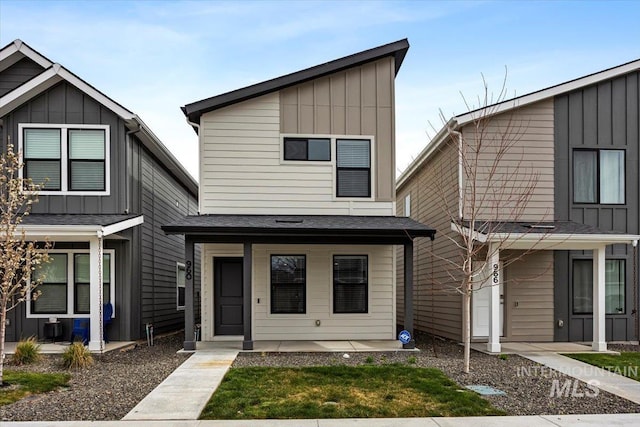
x,y
227,285
480,306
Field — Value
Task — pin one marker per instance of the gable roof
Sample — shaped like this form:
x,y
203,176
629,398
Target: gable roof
x,y
397,49
457,122
54,73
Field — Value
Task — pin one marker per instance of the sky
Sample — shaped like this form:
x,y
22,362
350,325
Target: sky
x,y
155,56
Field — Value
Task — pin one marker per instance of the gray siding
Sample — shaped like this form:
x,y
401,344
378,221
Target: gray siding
x,y
599,116
17,74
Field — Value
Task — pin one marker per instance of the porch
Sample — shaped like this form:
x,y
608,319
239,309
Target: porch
x,y
352,346
60,346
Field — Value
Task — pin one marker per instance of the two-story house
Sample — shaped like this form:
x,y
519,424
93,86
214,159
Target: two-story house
x,y
297,206
578,280
109,183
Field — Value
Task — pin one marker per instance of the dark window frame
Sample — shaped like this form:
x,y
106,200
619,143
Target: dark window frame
x,y
105,281
305,140
365,285
273,284
338,169
33,301
181,269
598,183
623,271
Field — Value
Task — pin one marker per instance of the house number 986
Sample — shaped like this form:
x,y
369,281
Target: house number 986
x,y
188,274
496,274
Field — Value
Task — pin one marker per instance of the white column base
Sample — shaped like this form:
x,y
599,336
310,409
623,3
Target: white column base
x,y
494,347
96,345
599,346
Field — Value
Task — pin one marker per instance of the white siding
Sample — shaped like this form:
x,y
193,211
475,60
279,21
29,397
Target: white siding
x,y
241,170
378,323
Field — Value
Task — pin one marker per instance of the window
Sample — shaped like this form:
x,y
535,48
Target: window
x,y
350,284
180,285
353,168
53,288
81,279
599,176
288,284
312,149
66,159
583,286
65,289
407,205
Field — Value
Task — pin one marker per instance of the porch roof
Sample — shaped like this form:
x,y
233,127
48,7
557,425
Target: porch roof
x,y
545,235
76,226
300,228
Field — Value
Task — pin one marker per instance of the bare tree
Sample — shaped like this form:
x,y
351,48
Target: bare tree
x,y
19,258
496,183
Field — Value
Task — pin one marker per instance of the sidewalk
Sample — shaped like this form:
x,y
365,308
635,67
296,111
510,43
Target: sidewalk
x,y
184,393
622,420
608,381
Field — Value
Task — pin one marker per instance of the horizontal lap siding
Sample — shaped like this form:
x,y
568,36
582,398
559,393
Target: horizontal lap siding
x,y
530,158
437,305
529,297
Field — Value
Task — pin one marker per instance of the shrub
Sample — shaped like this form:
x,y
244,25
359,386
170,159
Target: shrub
x,y
77,356
27,352
369,359
503,357
412,360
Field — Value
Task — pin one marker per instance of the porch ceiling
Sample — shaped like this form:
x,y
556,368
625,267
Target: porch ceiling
x,y
76,226
547,235
300,229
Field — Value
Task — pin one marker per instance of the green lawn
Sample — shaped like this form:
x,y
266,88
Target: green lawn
x,y
341,392
20,384
627,363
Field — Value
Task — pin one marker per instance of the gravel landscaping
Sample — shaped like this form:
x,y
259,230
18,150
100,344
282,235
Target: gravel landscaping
x,y
108,390
526,384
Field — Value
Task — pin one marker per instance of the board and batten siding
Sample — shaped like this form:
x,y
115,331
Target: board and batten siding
x,y
17,74
529,160
241,171
437,305
357,101
528,292
378,323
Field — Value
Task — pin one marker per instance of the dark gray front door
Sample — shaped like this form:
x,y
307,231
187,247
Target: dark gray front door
x,y
228,296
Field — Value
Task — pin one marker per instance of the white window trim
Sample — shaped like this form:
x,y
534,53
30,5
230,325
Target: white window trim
x,y
353,252
291,252
178,266
71,288
333,162
64,157
407,205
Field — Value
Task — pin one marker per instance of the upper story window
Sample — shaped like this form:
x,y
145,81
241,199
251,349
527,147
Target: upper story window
x,y
353,168
311,149
599,176
66,158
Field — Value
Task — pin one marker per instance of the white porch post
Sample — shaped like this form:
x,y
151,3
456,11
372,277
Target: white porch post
x,y
95,295
493,345
599,337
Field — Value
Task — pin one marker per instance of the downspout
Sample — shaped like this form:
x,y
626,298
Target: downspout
x,y
196,126
460,183
129,144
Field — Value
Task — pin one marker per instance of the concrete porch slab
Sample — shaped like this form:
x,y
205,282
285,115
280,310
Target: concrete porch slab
x,y
305,346
538,348
60,346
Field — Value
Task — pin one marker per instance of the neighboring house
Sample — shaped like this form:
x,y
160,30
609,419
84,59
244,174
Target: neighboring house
x,y
109,185
580,283
297,206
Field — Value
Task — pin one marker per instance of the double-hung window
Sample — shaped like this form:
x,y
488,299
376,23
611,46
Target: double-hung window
x,y
599,176
350,284
288,284
66,159
614,286
180,285
353,168
65,289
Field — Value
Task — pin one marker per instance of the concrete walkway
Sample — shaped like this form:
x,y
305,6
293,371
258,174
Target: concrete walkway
x,y
184,393
601,378
621,420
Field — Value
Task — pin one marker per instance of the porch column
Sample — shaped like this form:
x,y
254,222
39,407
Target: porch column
x,y
95,294
599,337
247,261
408,293
493,345
189,339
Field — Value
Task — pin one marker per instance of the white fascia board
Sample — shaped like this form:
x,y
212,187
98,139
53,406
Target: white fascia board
x,y
549,92
28,90
432,147
17,50
122,225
